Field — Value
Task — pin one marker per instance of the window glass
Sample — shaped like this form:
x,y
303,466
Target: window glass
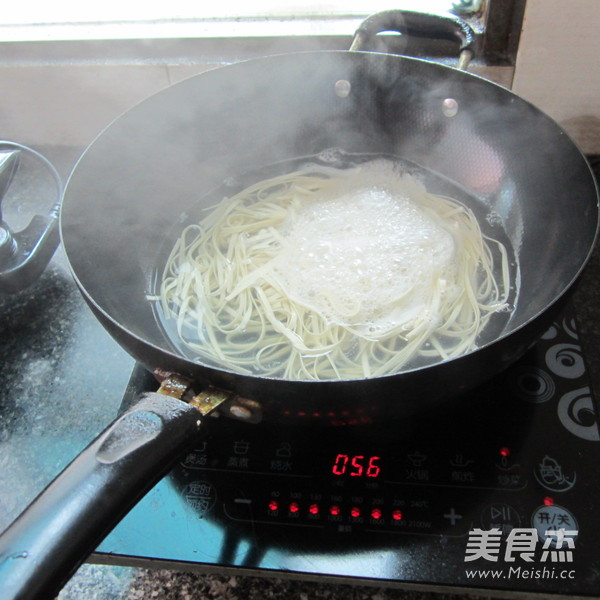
x,y
69,11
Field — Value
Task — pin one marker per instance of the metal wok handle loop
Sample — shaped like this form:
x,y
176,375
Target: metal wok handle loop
x,y
425,25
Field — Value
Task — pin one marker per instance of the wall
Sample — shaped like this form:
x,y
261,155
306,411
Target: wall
x,y
558,65
49,100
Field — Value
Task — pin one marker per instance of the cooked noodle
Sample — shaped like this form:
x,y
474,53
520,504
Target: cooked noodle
x,y
333,274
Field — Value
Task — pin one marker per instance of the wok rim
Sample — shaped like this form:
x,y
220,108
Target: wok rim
x,y
428,63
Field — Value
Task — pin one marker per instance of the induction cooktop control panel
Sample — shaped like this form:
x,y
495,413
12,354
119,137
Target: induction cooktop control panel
x,y
385,481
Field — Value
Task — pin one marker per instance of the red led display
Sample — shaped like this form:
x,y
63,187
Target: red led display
x,y
376,513
334,510
355,512
313,509
273,505
356,466
397,515
548,501
294,507
505,452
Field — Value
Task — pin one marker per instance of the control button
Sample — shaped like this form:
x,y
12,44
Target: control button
x,y
512,480
509,474
417,474
459,461
284,450
549,519
415,467
462,472
238,462
453,516
281,465
201,496
241,447
500,516
506,462
551,475
195,460
416,458
460,476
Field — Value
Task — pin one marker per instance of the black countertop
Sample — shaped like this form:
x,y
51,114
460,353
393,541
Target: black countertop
x,y
38,365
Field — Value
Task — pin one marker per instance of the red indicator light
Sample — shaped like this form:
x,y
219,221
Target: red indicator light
x,y
273,505
294,507
355,512
548,501
334,510
313,509
376,513
505,452
397,515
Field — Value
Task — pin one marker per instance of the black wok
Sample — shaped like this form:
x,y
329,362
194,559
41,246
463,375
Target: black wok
x,y
157,160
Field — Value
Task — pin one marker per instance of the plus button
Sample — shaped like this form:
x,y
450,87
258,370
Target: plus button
x,y
452,516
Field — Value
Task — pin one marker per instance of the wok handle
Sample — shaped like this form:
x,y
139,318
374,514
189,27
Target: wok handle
x,y
42,549
426,25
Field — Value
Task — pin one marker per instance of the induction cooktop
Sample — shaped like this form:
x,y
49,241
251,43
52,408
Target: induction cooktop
x,y
491,492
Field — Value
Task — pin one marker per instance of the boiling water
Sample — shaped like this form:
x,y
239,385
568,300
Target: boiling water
x,y
340,244
329,247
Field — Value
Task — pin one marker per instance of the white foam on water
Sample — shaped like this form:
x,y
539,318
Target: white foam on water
x,y
364,254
